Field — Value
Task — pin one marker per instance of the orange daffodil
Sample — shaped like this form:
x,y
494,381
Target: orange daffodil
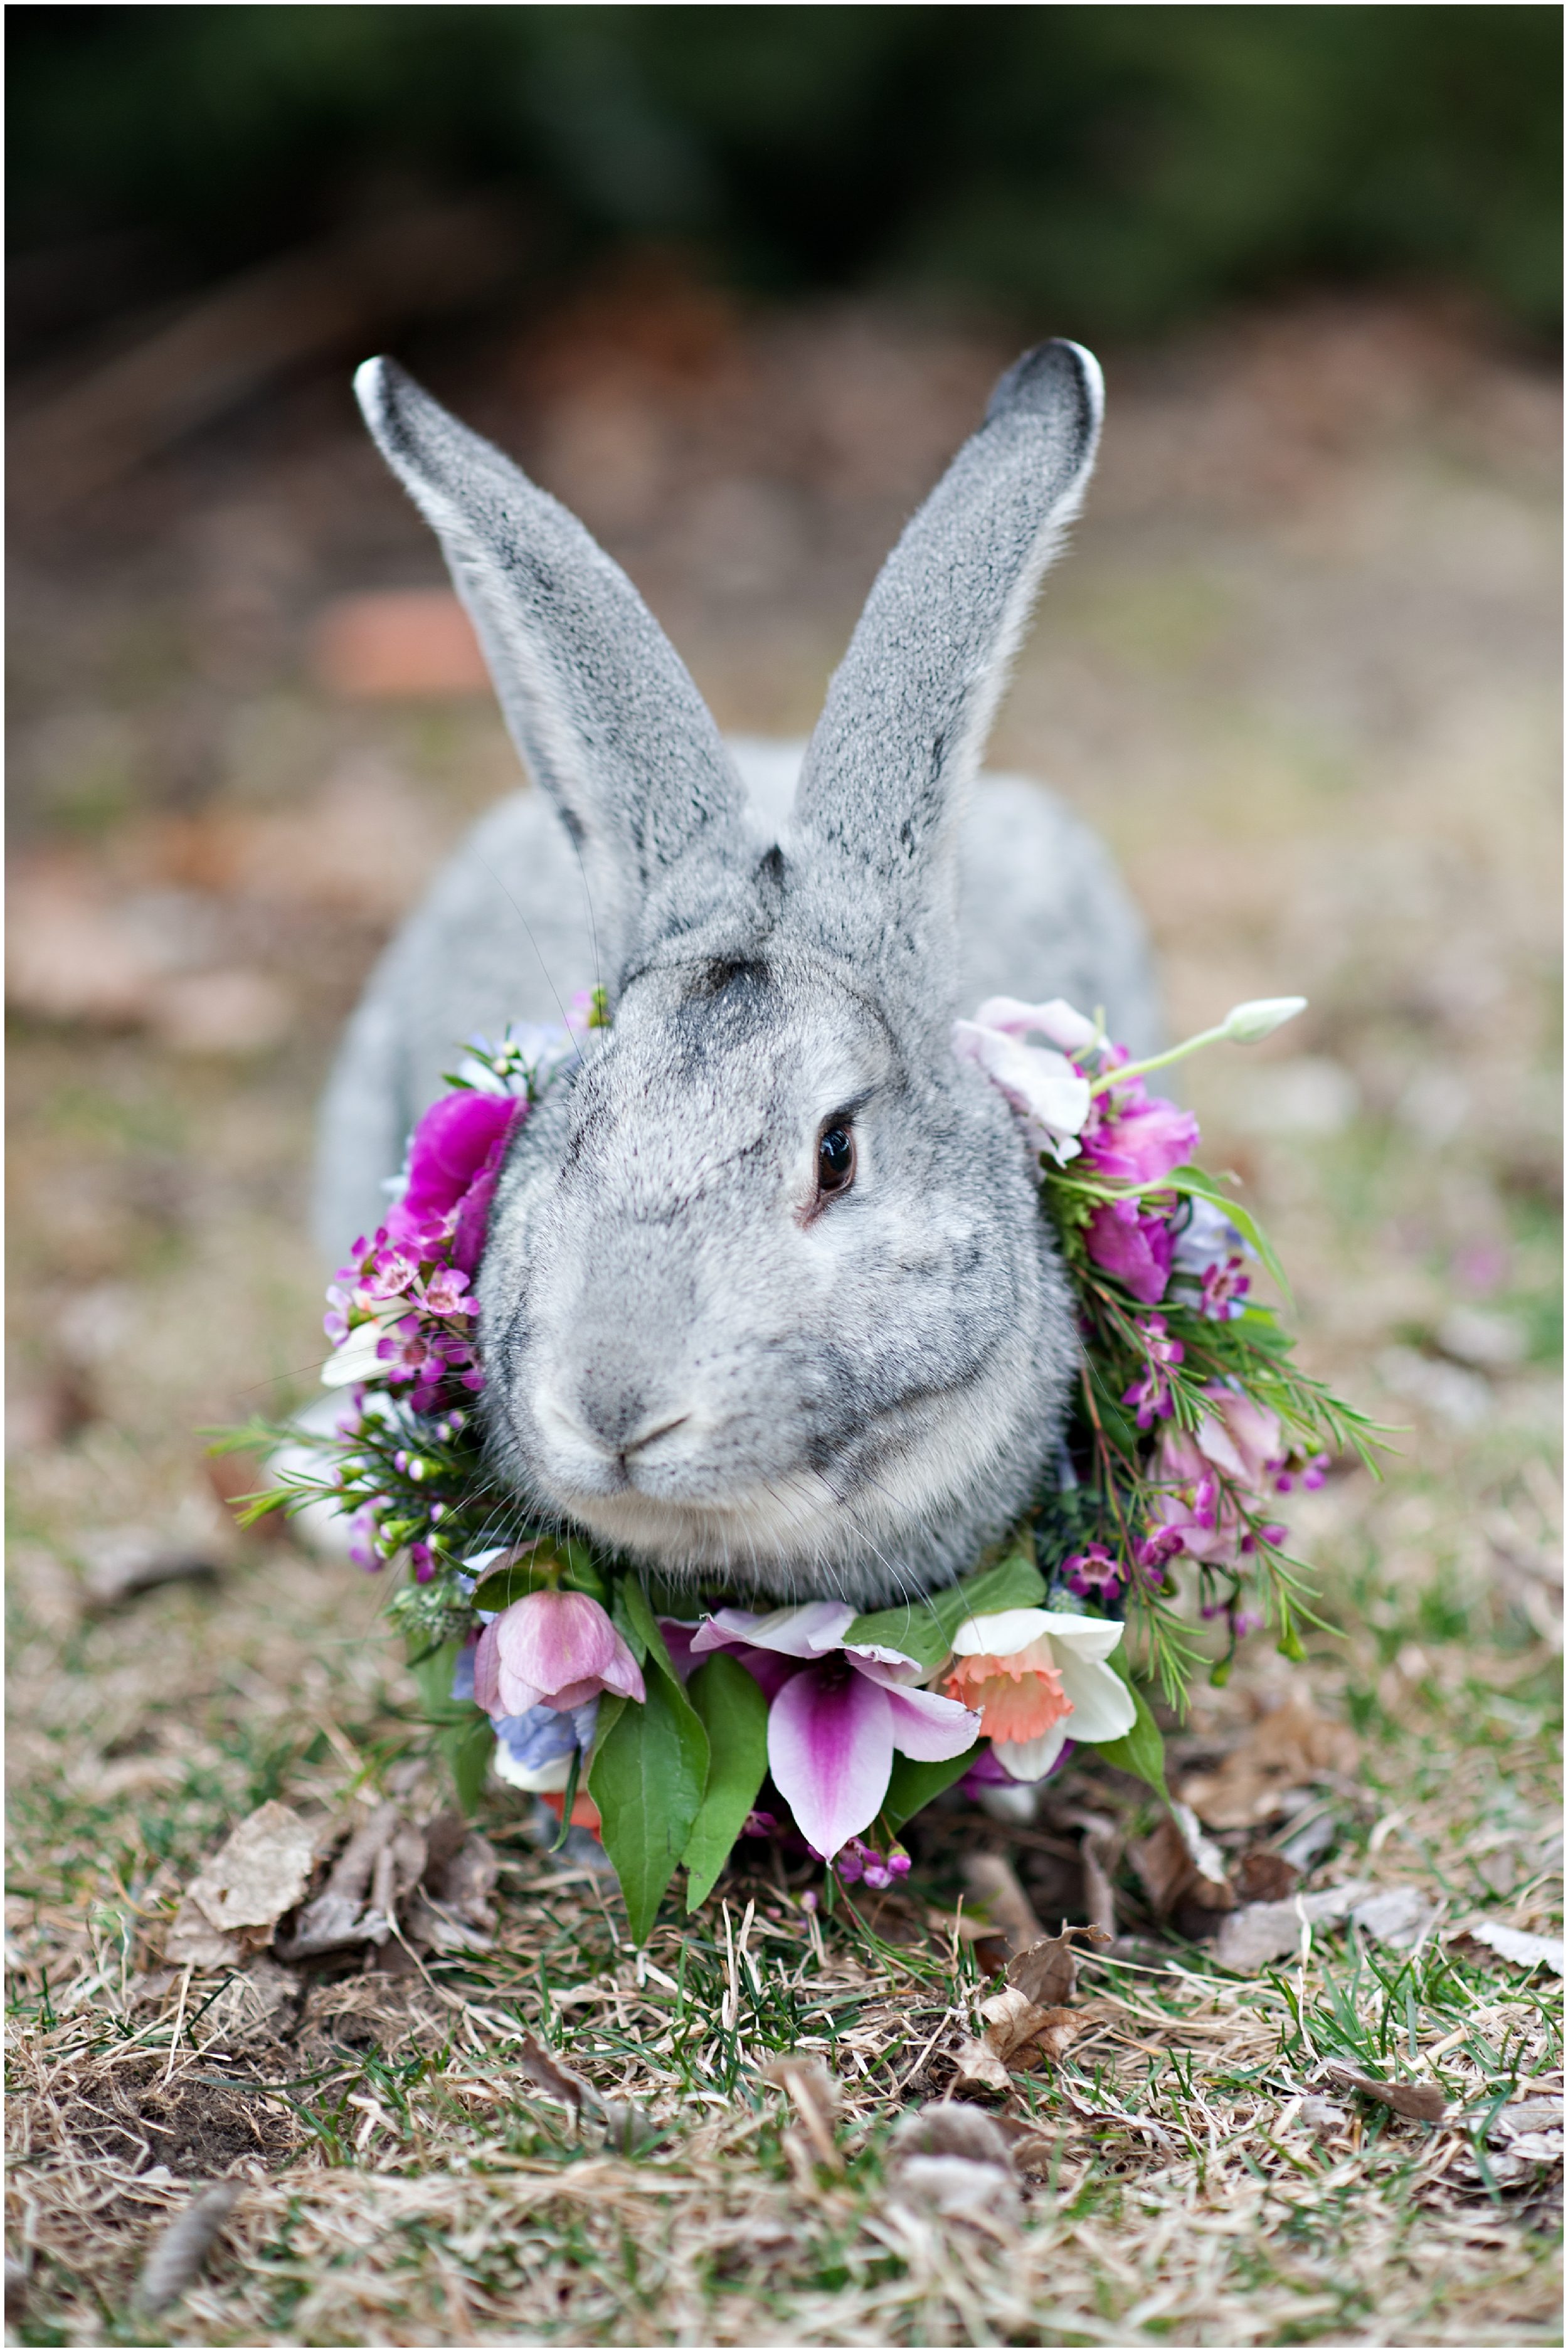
x,y
1038,1678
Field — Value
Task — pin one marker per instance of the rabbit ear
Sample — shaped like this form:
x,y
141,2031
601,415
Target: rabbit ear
x,y
596,698
900,737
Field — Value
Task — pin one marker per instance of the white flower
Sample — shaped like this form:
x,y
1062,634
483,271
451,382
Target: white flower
x,y
1052,1096
1244,1024
1062,1022
1039,1679
354,1360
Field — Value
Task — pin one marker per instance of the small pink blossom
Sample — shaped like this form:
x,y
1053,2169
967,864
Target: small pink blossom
x,y
1093,1573
1150,1391
443,1293
552,1649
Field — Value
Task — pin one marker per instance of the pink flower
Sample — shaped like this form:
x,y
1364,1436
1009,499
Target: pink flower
x,y
1133,1244
443,1293
552,1649
1141,1143
1094,1574
1052,1096
1241,1437
838,1716
454,1163
1150,1391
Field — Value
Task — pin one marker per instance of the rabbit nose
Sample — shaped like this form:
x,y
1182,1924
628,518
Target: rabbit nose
x,y
614,1428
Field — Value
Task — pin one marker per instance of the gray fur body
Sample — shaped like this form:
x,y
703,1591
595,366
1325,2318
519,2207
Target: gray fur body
x,y
693,1349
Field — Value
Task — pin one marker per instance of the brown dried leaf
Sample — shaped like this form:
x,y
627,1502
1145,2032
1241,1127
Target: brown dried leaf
x,y
1514,1945
260,1872
1263,1876
979,2070
959,2190
1285,1750
191,1941
538,2066
1262,1932
1424,2103
178,2253
993,1882
1021,2031
1047,1973
814,2094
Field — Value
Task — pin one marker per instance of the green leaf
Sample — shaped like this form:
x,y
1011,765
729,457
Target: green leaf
x,y
570,1564
634,1616
648,1773
1141,1750
1193,1180
914,1785
463,1733
736,1717
923,1629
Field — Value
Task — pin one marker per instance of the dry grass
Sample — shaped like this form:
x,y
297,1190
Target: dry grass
x,y
1303,667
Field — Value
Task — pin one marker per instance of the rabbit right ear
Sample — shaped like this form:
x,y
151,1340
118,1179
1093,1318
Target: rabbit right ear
x,y
596,698
899,740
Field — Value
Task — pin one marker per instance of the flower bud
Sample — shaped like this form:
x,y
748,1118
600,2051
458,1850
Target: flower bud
x,y
1260,1016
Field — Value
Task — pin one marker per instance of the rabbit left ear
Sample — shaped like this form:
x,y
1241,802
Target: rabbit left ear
x,y
596,698
900,737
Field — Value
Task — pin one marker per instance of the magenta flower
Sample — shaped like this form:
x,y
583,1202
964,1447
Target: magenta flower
x,y
839,1717
1133,1246
1140,1143
1094,1574
443,1293
1150,1391
454,1164
552,1649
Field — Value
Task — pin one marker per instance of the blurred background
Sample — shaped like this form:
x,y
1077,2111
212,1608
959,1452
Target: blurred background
x,y
734,282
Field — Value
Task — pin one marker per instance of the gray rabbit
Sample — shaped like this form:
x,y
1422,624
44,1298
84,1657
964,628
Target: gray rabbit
x,y
767,1297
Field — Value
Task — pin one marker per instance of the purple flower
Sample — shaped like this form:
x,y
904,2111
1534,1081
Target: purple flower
x,y
1094,1574
443,1293
1133,1244
857,1860
840,1715
454,1164
1136,1140
552,1649
1150,1391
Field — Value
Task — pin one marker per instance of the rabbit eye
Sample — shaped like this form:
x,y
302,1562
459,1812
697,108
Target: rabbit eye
x,y
835,1159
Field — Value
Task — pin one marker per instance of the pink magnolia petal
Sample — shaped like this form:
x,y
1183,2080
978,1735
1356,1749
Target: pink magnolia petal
x,y
830,1750
804,1632
929,1727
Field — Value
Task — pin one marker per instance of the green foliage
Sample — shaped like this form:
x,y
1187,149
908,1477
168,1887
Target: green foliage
x,y
462,1734
914,1785
554,1561
1111,169
648,1778
1141,1750
736,1717
923,1629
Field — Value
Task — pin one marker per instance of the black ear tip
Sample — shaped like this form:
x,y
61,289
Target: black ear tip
x,y
1054,377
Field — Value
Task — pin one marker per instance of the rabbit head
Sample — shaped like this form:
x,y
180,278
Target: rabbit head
x,y
767,1294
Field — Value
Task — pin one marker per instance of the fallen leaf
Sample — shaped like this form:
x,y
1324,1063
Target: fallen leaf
x,y
339,1916
1263,1876
1047,1973
191,1941
1527,2116
1019,2031
1177,1863
950,2128
1260,1932
1288,1748
1425,2103
260,1872
1398,1917
993,1882
1513,1944
1321,2116
814,2094
979,2069
179,2251
536,2065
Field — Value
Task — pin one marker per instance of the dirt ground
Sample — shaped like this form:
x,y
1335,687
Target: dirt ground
x,y
1301,668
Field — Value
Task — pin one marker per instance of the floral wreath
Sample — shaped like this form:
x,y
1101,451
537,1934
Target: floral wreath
x,y
669,1734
